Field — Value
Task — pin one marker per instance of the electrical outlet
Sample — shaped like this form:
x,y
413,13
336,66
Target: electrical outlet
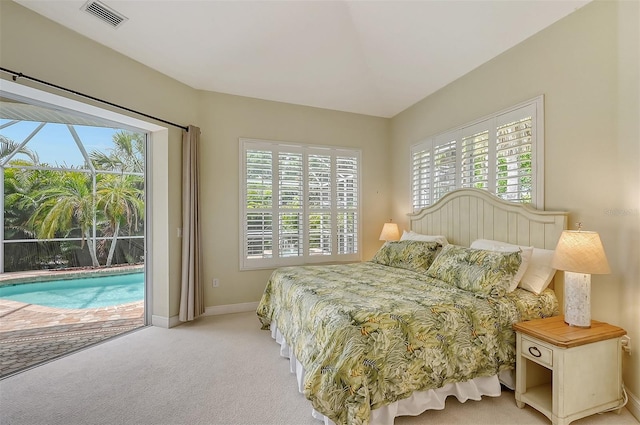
x,y
625,341
216,282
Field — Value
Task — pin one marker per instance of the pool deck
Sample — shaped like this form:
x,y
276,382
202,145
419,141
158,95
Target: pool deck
x,y
31,334
59,274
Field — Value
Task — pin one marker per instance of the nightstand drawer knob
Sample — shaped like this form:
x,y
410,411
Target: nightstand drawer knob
x,y
535,352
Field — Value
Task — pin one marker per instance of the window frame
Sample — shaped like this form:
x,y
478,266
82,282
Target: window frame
x,y
276,147
426,150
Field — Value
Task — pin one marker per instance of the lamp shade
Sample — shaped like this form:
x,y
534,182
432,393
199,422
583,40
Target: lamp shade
x,y
390,232
580,252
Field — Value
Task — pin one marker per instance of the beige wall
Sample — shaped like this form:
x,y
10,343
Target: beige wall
x,y
224,119
625,218
586,66
37,47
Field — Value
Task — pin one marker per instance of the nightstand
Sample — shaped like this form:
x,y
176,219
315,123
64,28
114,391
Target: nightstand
x,y
567,372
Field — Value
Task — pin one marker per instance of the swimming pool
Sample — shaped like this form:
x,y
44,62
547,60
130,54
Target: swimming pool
x,y
85,292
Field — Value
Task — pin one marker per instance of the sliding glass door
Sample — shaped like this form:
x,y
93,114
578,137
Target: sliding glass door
x,y
74,227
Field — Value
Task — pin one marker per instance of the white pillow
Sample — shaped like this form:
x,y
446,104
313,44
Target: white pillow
x,y
413,236
526,253
539,274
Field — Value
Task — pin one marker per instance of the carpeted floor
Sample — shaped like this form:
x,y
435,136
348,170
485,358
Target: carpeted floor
x,y
217,370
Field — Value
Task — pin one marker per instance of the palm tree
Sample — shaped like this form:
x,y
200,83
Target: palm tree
x,y
8,146
128,154
65,205
18,184
120,199
46,204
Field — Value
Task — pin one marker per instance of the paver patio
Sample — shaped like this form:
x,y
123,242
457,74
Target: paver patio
x,y
31,334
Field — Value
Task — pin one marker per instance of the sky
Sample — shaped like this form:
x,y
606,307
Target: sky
x,y
54,143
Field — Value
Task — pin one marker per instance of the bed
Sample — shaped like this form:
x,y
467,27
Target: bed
x,y
429,316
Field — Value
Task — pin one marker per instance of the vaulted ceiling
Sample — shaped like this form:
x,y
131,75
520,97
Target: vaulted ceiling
x,y
370,57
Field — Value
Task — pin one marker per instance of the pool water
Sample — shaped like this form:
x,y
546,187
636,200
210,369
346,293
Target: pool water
x,y
102,291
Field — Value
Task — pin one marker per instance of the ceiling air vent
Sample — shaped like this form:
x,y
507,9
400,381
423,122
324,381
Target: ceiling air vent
x,y
104,13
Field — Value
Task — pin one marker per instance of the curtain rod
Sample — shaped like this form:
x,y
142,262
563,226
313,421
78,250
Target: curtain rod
x,y
17,75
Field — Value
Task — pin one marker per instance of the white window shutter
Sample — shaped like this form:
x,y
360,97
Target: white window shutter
x,y
300,204
421,176
258,203
502,153
290,203
319,204
347,193
475,160
514,161
444,171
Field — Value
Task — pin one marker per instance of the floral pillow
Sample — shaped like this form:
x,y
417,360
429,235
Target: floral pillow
x,y
525,253
413,236
487,273
410,255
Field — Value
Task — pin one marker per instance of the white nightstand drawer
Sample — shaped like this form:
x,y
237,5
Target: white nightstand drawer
x,y
537,352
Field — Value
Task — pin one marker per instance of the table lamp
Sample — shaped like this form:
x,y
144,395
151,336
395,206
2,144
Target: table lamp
x,y
580,254
390,232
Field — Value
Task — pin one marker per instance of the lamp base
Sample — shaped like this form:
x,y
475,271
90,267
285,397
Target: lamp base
x,y
577,299
577,326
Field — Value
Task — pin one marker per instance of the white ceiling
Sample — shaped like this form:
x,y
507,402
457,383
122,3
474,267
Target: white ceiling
x,y
370,57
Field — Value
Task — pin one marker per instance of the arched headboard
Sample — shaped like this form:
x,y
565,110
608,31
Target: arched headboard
x,y
465,215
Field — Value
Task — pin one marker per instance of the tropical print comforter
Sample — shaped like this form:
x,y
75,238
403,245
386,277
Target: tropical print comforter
x,y
368,334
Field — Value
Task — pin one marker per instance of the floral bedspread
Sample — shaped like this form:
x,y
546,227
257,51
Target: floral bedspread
x,y
368,335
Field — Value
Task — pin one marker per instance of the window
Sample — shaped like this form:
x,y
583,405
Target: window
x,y
300,204
502,153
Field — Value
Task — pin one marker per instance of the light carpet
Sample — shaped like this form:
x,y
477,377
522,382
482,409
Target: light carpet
x,y
216,370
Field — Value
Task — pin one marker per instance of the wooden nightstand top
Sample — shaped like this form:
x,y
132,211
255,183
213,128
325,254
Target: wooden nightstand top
x,y
555,331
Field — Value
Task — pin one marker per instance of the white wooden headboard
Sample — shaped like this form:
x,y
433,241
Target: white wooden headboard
x,y
465,215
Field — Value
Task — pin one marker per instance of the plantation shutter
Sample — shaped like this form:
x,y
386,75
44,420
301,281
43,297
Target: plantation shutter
x,y
514,166
300,204
347,204
444,173
421,176
290,203
474,166
502,153
320,201
259,203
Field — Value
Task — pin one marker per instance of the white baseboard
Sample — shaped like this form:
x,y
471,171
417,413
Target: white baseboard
x,y
165,322
230,308
170,322
633,405
160,321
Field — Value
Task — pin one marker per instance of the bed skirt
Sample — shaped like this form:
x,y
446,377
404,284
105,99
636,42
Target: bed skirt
x,y
414,405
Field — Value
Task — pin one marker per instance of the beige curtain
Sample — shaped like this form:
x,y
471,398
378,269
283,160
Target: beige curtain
x,y
192,290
